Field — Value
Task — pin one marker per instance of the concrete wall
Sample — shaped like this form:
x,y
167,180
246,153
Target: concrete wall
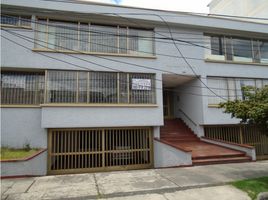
x,y
167,156
21,126
36,166
189,107
100,117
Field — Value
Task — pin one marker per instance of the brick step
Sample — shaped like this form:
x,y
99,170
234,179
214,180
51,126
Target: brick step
x,y
221,160
218,156
177,142
179,138
176,130
178,135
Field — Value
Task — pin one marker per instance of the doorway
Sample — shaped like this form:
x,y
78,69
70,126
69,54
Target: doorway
x,y
168,104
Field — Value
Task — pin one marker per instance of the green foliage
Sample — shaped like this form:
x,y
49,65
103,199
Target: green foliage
x,y
26,147
253,109
253,186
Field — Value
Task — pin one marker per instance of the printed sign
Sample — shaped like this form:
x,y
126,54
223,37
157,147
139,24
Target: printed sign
x,y
13,81
141,84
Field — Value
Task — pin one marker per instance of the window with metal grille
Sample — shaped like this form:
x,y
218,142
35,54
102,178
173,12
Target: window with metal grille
x,y
94,38
22,88
100,87
230,88
16,20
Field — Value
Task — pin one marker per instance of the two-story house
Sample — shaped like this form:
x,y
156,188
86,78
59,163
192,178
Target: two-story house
x,y
105,87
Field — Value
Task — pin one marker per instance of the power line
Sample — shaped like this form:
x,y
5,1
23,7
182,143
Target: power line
x,y
189,65
162,39
175,91
31,40
142,66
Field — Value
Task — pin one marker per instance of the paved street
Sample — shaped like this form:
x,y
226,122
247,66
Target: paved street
x,y
201,182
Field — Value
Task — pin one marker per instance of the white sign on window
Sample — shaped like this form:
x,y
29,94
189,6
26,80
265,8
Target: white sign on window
x,y
13,81
141,84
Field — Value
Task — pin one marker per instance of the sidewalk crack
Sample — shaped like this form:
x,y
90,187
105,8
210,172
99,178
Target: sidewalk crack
x,y
97,187
29,186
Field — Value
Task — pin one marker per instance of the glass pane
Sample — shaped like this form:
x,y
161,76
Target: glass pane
x,y
63,35
84,37
10,20
82,87
123,87
217,45
141,42
264,51
123,40
103,87
256,52
265,82
219,87
103,39
62,87
40,34
229,50
21,88
246,82
231,89
25,21
242,50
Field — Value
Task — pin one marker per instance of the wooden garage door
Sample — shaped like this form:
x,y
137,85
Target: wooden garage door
x,y
90,150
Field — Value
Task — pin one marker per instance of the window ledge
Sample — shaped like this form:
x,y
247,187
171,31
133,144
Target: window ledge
x,y
234,62
15,26
96,105
93,53
214,106
19,106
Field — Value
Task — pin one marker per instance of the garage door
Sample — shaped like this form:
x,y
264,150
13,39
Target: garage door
x,y
90,150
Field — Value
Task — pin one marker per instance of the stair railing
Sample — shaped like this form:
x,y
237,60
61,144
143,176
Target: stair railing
x,y
187,117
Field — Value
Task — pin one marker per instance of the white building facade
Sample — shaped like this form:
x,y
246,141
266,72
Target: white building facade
x,y
76,72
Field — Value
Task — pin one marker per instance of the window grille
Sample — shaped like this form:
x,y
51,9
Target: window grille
x,y
100,87
22,88
12,20
230,88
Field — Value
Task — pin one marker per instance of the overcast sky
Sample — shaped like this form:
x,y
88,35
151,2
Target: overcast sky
x,y
175,5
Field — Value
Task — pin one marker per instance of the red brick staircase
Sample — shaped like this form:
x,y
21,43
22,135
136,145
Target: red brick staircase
x,y
178,135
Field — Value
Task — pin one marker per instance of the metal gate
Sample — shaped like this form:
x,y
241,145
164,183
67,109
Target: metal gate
x,y
89,150
241,134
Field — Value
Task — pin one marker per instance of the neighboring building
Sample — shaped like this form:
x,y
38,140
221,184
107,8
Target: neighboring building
x,y
245,8
95,89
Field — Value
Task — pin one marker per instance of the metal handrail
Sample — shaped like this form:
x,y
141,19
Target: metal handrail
x,y
187,117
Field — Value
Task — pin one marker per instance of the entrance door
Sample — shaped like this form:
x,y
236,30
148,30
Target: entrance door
x,y
168,104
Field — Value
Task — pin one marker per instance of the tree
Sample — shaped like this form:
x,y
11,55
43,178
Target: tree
x,y
252,108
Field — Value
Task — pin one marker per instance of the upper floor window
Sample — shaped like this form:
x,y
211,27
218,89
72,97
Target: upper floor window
x,y
95,38
230,88
236,49
16,20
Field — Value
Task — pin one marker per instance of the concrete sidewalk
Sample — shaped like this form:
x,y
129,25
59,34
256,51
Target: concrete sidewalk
x,y
151,184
